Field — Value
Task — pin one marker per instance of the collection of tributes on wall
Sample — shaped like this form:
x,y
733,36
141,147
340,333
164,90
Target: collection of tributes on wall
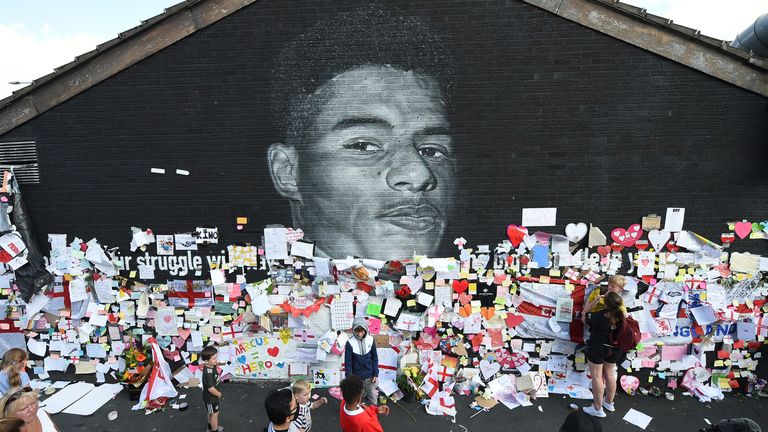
x,y
496,322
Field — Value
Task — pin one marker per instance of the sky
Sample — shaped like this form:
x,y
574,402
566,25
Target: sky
x,y
37,36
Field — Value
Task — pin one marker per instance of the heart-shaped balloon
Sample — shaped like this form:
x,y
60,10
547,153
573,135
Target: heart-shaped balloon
x,y
629,383
515,234
576,232
603,250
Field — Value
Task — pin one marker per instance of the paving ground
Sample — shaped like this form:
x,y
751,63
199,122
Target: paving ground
x,y
243,410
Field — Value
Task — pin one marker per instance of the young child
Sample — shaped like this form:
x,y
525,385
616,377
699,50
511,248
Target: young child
x,y
302,393
596,300
13,373
353,416
360,359
211,395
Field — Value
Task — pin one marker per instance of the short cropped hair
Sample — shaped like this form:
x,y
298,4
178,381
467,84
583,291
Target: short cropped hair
x,y
351,388
618,280
369,35
278,405
300,386
208,352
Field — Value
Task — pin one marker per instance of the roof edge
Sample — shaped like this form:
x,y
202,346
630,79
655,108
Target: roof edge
x,y
660,36
111,57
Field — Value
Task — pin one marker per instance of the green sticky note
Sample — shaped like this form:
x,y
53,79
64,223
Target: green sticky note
x,y
374,309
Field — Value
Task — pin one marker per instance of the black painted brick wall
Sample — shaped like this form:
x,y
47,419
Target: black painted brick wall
x,y
548,114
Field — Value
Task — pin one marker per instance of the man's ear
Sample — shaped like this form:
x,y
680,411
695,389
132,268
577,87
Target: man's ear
x,y
284,170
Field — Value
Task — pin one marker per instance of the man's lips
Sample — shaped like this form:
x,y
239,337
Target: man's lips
x,y
413,218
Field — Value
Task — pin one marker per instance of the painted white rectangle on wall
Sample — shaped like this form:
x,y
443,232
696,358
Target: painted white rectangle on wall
x,y
533,217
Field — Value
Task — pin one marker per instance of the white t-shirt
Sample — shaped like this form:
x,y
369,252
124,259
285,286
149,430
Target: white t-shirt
x,y
291,428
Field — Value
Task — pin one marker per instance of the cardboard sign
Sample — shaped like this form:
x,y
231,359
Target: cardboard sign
x,y
263,356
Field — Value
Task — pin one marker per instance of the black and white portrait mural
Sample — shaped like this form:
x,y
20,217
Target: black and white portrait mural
x,y
367,157
383,129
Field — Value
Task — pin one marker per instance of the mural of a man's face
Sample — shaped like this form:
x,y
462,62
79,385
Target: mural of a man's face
x,y
375,174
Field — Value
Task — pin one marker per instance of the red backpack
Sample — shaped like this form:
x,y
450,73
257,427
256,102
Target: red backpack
x,y
627,336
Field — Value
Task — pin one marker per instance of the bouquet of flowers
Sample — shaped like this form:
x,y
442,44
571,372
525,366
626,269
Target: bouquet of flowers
x,y
410,381
138,364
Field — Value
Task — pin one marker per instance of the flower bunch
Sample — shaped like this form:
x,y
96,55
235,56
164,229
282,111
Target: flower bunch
x,y
138,363
403,292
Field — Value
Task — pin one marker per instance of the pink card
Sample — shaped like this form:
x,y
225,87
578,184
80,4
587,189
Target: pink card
x,y
374,326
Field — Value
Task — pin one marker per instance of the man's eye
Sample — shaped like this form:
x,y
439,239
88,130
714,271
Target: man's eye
x,y
362,146
434,152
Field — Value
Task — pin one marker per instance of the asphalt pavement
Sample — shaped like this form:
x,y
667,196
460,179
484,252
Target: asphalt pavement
x,y
243,410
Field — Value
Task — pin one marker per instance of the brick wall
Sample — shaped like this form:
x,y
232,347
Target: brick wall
x,y
546,114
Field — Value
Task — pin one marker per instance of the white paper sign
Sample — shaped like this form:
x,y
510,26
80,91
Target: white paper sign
x,y
533,217
674,220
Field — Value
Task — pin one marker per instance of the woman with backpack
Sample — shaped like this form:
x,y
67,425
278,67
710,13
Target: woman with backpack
x,y
602,352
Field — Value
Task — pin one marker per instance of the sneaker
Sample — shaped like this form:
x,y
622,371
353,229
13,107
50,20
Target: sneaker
x,y
608,406
593,412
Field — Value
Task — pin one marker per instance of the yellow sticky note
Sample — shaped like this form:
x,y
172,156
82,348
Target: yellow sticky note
x,y
411,303
691,270
650,378
472,288
750,304
554,273
132,275
544,279
723,383
718,363
429,285
242,220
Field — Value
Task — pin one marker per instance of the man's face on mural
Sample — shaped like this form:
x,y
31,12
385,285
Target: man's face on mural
x,y
375,174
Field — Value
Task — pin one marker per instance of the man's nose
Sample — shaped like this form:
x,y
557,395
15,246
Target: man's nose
x,y
409,171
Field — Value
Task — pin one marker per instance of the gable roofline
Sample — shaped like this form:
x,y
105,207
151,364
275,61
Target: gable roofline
x,y
112,57
661,36
621,21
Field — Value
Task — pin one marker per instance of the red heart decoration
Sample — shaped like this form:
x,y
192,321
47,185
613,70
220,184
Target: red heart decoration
x,y
524,259
460,286
513,320
274,351
727,238
616,247
627,237
510,260
672,247
641,244
603,250
516,233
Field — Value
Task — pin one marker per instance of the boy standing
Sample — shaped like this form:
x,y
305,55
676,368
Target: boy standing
x,y
353,416
211,395
302,393
361,359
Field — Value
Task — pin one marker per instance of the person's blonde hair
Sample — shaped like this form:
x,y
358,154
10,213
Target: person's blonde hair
x,y
11,424
300,386
11,360
618,280
16,396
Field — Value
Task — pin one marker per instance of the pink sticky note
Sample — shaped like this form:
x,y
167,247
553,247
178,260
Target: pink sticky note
x,y
374,326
